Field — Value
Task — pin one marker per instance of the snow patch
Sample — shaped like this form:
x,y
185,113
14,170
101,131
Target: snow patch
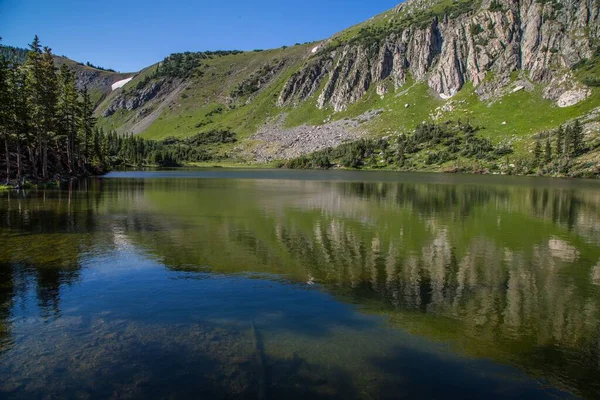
x,y
120,84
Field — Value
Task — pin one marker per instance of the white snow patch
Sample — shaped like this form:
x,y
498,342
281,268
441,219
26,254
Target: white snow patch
x,y
120,84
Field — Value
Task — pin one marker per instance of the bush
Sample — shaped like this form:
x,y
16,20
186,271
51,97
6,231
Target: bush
x,y
476,29
495,6
591,81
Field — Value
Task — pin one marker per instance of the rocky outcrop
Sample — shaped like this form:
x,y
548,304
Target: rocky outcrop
x,y
136,99
540,40
572,97
275,142
305,82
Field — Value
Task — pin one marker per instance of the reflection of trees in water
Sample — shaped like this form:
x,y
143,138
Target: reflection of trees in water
x,y
43,239
397,248
577,210
535,304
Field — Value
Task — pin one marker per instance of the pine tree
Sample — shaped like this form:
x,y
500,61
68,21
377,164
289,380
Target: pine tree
x,y
560,141
42,119
5,112
49,104
568,150
19,116
87,122
537,153
68,114
548,152
577,138
35,89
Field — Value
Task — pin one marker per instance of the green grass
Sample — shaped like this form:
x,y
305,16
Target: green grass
x,y
5,187
220,75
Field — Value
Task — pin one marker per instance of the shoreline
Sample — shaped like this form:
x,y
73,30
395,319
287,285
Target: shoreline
x,y
57,183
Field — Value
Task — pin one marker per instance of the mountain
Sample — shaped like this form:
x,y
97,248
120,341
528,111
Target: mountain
x,y
513,69
98,80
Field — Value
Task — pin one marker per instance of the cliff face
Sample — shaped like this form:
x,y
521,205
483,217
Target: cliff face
x,y
541,40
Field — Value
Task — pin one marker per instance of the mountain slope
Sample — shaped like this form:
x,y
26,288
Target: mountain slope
x,y
99,81
513,67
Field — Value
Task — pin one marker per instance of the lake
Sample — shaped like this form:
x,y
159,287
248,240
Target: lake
x,y
276,284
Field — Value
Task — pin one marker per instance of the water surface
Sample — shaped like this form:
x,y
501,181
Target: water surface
x,y
301,284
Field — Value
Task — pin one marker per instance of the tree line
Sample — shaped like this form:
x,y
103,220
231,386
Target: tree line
x,y
46,124
428,145
48,129
457,147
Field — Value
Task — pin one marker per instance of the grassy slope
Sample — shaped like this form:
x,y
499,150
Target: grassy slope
x,y
209,91
525,113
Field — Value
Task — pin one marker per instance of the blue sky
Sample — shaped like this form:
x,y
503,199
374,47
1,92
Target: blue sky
x,y
128,35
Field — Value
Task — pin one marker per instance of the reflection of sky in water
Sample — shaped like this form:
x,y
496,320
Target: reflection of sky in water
x,y
148,288
126,311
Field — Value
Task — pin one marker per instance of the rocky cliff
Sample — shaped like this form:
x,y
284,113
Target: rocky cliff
x,y
488,43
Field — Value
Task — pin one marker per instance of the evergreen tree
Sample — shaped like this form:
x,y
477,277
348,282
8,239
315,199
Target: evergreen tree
x,y
537,153
87,122
35,89
568,149
548,152
560,141
5,111
68,115
49,106
20,123
577,138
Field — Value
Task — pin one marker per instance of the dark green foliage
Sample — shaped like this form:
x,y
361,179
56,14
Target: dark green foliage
x,y
47,125
218,110
476,29
180,65
216,136
495,6
13,55
432,144
560,141
318,161
591,81
537,153
568,145
576,134
548,152
136,151
89,64
204,122
439,157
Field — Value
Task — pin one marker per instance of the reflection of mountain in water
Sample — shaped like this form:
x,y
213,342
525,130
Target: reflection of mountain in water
x,y
506,272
